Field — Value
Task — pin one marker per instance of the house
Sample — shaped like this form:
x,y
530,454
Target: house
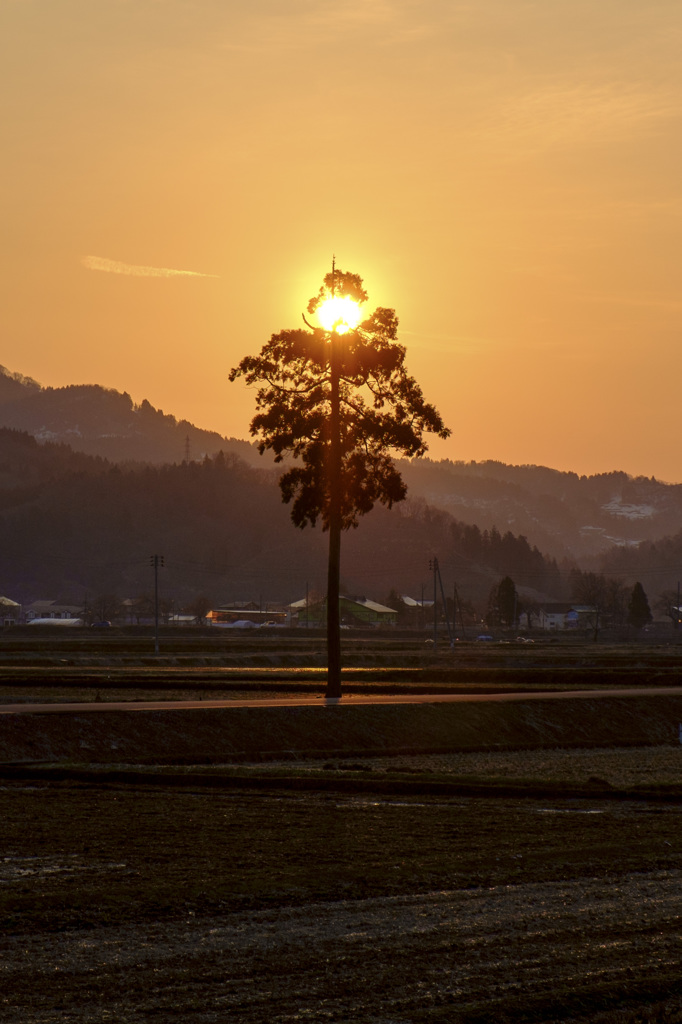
x,y
41,610
554,617
411,602
353,611
414,613
583,616
246,612
10,611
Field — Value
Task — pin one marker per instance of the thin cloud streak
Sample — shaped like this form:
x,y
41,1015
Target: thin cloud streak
x,y
132,270
554,117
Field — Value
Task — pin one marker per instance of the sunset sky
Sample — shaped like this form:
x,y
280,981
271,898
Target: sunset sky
x,y
506,174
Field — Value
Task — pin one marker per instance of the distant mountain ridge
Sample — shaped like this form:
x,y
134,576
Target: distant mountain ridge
x,y
561,513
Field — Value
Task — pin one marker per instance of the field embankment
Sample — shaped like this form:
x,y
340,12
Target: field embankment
x,y
63,667
234,734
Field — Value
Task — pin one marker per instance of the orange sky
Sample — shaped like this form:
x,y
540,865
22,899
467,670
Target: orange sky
x,y
506,174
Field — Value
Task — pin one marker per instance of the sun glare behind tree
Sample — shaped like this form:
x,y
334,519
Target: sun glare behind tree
x,y
340,314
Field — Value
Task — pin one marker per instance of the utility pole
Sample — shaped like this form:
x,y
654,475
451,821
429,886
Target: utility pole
x,y
155,561
458,604
433,565
445,604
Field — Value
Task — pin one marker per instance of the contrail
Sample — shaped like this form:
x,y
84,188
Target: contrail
x,y
116,267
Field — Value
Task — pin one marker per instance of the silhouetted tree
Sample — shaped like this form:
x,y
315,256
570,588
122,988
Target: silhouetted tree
x,y
199,608
639,613
406,616
507,601
107,607
667,603
607,594
532,610
588,588
141,607
341,409
608,598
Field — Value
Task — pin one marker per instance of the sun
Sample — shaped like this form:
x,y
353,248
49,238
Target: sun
x,y
340,314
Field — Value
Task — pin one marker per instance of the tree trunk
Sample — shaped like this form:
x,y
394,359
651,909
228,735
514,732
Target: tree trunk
x,y
334,564
333,625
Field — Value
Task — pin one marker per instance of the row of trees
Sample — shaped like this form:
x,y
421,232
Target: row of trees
x,y
612,601
612,605
134,611
612,597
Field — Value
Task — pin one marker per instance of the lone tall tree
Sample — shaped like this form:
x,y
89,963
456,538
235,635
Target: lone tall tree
x,y
339,400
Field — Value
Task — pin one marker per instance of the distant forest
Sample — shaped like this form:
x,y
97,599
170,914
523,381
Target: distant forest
x,y
77,526
93,484
566,516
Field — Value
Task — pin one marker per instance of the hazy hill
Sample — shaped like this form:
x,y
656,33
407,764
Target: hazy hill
x,y
75,525
103,421
562,513
656,564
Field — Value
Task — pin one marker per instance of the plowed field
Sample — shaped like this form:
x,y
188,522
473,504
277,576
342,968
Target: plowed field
x,y
132,903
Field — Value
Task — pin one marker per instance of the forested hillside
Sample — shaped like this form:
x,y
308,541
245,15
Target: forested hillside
x,y
657,565
562,514
75,526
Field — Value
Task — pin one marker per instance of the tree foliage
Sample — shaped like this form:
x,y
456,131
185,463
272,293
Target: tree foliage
x,y
382,410
502,604
667,604
608,595
639,613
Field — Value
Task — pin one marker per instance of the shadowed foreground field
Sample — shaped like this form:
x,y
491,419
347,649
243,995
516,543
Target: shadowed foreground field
x,y
240,876
135,902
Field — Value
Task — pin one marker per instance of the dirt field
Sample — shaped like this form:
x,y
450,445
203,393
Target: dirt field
x,y
136,900
132,903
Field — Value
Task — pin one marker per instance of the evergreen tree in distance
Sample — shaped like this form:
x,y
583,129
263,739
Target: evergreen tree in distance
x,y
338,399
639,613
507,601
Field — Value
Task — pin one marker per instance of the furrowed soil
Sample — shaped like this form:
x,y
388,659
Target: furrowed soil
x,y
128,902
374,883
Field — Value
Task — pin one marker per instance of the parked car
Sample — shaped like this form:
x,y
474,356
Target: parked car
x,y
103,624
